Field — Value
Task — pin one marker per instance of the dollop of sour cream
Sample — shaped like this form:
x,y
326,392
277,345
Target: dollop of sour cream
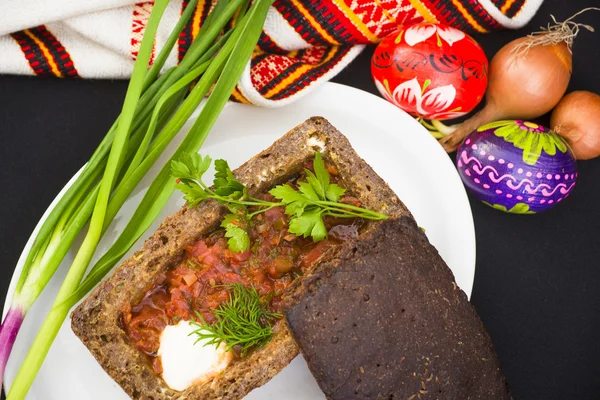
x,y
185,363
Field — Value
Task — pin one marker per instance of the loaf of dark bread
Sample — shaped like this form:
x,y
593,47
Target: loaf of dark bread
x,y
384,319
97,321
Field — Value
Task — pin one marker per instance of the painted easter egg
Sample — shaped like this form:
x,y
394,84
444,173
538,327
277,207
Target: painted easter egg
x,y
517,166
431,70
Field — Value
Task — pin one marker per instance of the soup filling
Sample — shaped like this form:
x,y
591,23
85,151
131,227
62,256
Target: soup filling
x,y
159,325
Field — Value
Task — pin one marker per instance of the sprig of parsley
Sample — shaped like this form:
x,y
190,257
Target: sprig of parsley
x,y
315,198
188,171
242,321
226,189
305,205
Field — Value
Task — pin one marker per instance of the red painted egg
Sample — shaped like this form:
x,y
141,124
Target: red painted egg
x,y
431,70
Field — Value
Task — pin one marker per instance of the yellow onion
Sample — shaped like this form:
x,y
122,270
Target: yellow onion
x,y
577,119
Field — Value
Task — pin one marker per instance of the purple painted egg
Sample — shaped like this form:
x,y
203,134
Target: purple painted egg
x,y
517,166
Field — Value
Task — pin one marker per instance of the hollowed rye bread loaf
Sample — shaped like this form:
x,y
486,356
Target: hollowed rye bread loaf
x,y
97,320
384,319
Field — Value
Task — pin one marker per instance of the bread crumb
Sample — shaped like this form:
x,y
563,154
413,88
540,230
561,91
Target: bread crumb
x,y
314,142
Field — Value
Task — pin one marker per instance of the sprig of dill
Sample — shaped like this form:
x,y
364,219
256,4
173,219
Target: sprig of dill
x,y
242,321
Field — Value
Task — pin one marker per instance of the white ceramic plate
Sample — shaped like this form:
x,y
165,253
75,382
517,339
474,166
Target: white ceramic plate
x,y
394,144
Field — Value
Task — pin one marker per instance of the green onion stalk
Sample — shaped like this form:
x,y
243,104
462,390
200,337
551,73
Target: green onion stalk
x,y
155,109
70,214
73,210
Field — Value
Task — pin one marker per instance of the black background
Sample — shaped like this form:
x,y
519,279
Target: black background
x,y
537,276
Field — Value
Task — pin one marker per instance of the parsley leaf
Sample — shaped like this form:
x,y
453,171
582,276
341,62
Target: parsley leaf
x,y
194,194
286,194
309,190
319,232
226,184
334,192
188,171
190,167
320,182
310,223
314,184
321,173
234,225
293,200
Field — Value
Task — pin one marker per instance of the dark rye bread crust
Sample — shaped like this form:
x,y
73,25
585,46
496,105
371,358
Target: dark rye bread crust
x,y
384,319
97,320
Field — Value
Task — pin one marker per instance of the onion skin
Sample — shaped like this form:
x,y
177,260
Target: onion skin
x,y
577,119
540,87
8,334
524,83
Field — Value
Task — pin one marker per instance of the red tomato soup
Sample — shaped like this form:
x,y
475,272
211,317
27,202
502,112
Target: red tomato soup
x,y
275,258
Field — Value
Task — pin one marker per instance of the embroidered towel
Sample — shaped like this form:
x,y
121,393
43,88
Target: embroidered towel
x,y
304,42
